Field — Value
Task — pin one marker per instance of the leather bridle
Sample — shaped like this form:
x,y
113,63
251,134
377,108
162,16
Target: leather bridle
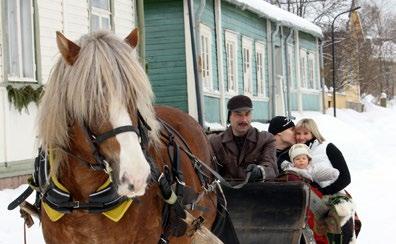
x,y
100,161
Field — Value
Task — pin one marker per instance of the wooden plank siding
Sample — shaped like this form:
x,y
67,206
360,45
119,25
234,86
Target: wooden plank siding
x,y
124,17
72,17
211,112
1,44
311,100
211,99
249,25
165,51
75,18
166,56
50,21
208,19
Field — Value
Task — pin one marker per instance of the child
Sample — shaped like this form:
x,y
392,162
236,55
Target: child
x,y
301,165
324,175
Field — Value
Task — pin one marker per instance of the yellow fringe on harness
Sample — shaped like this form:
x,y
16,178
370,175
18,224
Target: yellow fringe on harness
x,y
114,214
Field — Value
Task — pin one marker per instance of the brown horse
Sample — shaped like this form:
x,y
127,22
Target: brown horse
x,y
97,122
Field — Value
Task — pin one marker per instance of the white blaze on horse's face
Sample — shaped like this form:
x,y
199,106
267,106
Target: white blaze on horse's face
x,y
134,169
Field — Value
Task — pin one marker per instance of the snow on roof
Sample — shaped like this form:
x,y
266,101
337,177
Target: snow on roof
x,y
272,12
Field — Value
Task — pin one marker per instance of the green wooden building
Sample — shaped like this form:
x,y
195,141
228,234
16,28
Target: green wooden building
x,y
242,47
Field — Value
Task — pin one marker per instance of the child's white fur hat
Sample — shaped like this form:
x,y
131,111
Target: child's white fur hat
x,y
299,149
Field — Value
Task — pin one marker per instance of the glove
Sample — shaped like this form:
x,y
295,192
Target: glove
x,y
285,165
256,173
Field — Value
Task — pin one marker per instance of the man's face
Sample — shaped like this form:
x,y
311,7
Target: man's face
x,y
287,136
240,122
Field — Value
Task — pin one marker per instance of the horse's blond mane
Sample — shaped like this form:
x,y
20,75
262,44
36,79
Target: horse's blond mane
x,y
106,68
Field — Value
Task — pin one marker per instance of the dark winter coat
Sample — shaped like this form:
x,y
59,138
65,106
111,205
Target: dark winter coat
x,y
259,149
282,155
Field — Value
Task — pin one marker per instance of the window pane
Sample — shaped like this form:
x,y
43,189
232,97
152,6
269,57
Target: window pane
x,y
13,38
103,4
27,39
95,25
105,23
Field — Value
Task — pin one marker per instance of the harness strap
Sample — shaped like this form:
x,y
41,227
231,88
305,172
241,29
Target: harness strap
x,y
112,133
174,156
215,174
144,122
21,198
100,201
171,132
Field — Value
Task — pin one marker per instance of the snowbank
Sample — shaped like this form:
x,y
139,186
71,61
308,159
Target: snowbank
x,y
368,143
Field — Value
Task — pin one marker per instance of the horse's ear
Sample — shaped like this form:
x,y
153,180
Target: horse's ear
x,y
67,48
133,38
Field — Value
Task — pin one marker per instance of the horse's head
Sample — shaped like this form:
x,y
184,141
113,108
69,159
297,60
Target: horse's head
x,y
91,105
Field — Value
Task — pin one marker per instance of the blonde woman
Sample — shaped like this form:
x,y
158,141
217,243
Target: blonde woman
x,y
307,132
327,154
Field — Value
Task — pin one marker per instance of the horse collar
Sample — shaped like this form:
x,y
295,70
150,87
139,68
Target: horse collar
x,y
57,201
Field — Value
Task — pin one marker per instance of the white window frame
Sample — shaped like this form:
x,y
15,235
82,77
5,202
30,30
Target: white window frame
x,y
206,57
231,41
102,14
260,69
21,44
311,84
303,68
291,65
247,50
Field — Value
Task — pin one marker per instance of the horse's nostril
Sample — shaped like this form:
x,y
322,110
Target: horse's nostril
x,y
131,187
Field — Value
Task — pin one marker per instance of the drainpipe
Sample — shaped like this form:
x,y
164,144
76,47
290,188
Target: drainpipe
x,y
287,73
322,81
219,48
198,87
273,34
4,139
142,31
298,73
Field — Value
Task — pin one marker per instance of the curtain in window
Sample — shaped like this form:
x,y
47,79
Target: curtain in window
x,y
20,35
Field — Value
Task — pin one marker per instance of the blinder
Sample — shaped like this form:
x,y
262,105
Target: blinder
x,y
101,163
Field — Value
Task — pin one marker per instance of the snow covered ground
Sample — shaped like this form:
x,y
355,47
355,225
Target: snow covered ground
x,y
368,142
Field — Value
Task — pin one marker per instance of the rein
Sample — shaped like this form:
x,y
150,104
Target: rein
x,y
48,192
198,164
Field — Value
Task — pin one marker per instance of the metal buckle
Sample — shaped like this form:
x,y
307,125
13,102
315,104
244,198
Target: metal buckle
x,y
76,204
107,169
163,240
180,182
96,166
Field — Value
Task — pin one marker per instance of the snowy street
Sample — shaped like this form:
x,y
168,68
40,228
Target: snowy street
x,y
368,143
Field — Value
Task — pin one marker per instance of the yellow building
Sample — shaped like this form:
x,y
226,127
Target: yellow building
x,y
348,98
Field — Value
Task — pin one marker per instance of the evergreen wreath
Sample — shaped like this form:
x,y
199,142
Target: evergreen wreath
x,y
23,96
